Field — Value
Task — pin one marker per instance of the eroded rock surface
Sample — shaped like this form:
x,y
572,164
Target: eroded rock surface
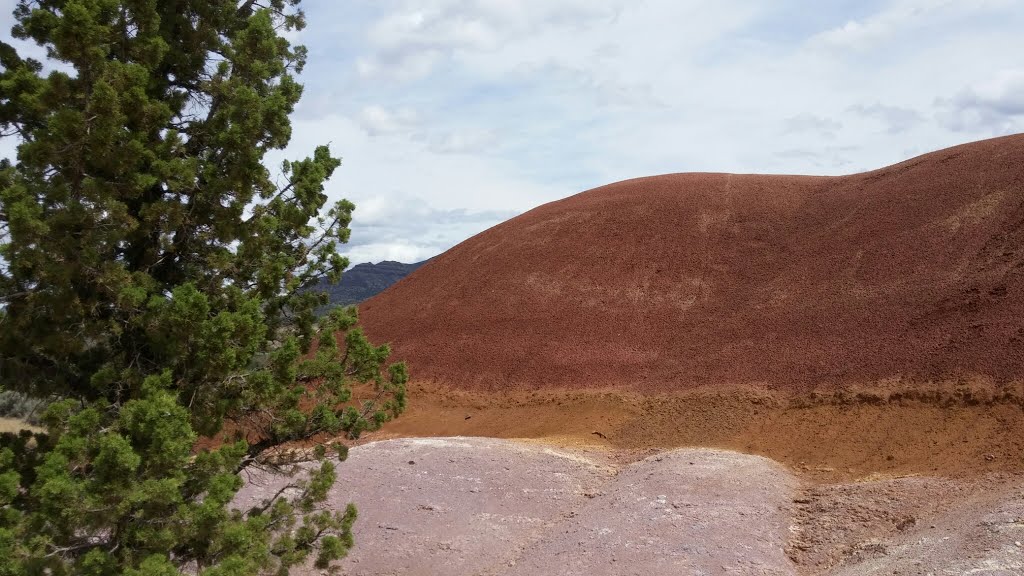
x,y
482,506
462,506
687,511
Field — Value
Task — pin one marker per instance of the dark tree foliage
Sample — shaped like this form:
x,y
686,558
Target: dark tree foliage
x,y
154,284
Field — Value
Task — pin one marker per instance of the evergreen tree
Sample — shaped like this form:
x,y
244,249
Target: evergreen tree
x,y
154,281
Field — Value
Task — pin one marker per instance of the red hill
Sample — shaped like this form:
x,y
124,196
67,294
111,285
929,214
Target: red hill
x,y
915,271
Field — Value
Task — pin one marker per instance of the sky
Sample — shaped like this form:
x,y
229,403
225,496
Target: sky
x,y
452,116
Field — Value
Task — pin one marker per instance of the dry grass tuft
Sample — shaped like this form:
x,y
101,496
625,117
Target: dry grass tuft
x,y
15,425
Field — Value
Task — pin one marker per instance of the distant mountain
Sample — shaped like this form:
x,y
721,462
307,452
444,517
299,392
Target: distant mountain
x,y
363,281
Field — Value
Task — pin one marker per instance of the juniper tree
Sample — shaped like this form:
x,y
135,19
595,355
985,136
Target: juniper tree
x,y
154,284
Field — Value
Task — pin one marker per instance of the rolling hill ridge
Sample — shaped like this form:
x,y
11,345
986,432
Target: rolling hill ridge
x,y
914,272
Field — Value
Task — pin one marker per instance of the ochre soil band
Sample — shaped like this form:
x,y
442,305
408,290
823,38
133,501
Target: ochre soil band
x,y
892,429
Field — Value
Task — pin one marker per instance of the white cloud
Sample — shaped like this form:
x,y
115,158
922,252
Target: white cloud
x,y
804,122
826,157
400,66
864,33
408,41
895,118
518,103
405,227
452,115
995,106
902,17
465,141
412,200
400,251
377,120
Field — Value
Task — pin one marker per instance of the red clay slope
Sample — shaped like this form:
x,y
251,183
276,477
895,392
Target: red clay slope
x,y
915,271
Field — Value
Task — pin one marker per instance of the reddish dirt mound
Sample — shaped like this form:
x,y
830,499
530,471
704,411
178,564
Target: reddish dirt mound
x,y
914,272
